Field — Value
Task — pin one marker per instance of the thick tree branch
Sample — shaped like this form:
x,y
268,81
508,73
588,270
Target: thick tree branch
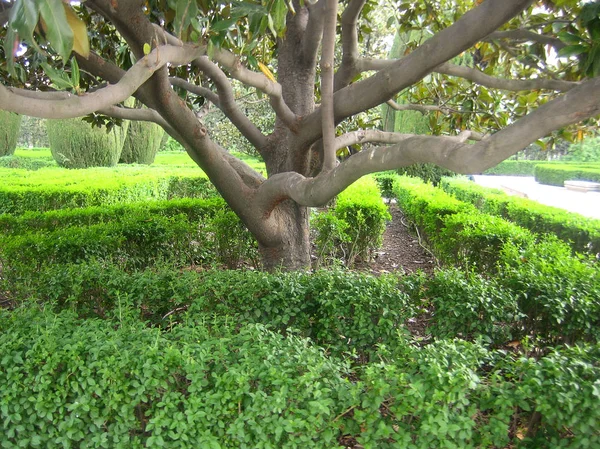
x,y
348,70
327,57
77,106
523,35
228,105
377,89
261,82
314,30
578,104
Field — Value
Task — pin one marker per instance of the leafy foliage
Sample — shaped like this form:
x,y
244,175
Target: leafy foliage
x,y
141,143
556,175
9,132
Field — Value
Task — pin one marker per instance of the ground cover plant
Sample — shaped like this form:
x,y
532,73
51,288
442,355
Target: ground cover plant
x,y
556,175
111,339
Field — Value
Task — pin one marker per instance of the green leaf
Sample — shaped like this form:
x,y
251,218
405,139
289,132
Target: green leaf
x,y
223,25
572,50
185,12
569,38
57,28
75,75
59,78
147,48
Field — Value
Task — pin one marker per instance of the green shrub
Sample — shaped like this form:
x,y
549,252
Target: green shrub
x,y
9,132
476,239
356,224
427,172
55,188
138,240
456,394
513,168
76,144
556,175
470,306
24,163
141,143
582,233
232,241
558,294
426,205
71,383
196,210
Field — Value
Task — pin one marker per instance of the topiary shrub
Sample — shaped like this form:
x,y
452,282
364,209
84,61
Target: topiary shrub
x,y
142,143
9,132
76,144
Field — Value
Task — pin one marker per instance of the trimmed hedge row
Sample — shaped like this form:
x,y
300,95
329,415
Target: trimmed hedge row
x,y
557,292
524,167
216,377
179,232
556,175
582,233
53,188
353,228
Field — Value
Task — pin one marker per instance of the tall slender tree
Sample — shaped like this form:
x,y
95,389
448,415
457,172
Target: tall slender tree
x,y
174,55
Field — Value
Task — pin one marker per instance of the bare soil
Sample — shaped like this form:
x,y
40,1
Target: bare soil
x,y
402,250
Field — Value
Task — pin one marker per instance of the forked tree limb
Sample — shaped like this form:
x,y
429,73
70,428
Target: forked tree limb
x,y
79,105
578,104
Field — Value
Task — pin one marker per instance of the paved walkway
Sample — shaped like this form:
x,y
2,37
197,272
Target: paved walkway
x,y
584,203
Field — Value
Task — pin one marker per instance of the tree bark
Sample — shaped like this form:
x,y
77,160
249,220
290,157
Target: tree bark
x,y
292,250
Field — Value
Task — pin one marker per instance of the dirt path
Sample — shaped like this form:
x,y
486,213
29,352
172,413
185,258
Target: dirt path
x,y
401,249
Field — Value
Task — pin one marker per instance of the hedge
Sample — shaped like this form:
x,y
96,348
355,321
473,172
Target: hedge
x,y
214,379
556,175
55,188
353,228
557,291
523,167
142,143
75,143
180,233
582,233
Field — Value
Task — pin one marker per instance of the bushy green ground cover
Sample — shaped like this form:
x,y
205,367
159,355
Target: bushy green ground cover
x,y
132,348
526,167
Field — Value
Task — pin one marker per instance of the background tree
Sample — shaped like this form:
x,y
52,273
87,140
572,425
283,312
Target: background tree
x,y
9,132
174,56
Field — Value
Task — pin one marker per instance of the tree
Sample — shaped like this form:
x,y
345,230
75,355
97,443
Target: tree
x,y
175,55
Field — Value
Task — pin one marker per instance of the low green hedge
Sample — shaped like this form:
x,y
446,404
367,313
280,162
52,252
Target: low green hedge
x,y
525,167
556,175
217,381
196,210
180,232
558,292
582,233
56,188
353,228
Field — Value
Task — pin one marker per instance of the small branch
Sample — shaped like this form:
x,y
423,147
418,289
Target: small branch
x,y
77,106
145,115
327,57
195,89
314,30
369,136
481,78
226,102
524,35
348,70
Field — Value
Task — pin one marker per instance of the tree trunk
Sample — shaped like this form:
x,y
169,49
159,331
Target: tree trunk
x,y
292,250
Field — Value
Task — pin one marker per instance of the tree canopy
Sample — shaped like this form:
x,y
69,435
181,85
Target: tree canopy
x,y
492,77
